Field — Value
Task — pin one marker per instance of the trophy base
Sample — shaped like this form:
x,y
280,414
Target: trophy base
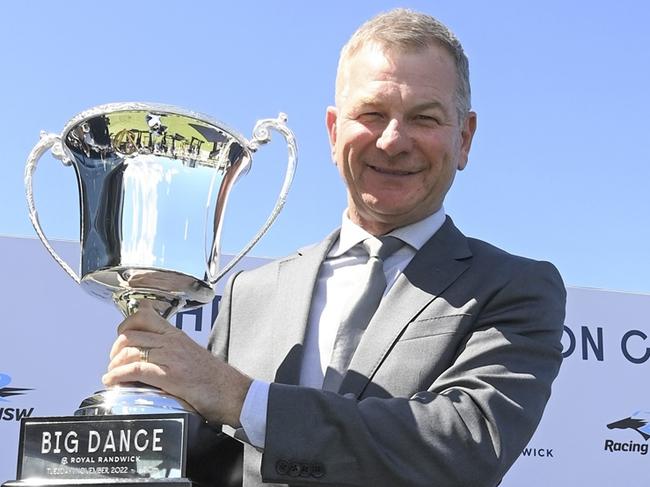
x,y
132,399
173,449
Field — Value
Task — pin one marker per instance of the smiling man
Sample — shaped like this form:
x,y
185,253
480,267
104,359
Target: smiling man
x,y
349,364
397,136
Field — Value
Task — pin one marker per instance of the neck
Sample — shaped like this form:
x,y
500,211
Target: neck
x,y
376,227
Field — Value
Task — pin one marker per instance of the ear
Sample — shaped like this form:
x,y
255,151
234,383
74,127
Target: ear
x,y
467,134
330,121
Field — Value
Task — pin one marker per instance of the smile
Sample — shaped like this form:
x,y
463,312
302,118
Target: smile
x,y
392,172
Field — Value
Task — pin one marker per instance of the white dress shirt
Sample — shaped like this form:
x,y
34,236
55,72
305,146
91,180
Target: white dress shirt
x,y
338,278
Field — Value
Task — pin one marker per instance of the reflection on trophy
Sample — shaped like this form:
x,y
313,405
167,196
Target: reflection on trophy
x,y
153,186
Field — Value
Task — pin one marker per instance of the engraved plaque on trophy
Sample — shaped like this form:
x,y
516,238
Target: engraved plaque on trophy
x,y
153,185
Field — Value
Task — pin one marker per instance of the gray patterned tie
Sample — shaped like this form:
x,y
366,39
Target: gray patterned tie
x,y
360,310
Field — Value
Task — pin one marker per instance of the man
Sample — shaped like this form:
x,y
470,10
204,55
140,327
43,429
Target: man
x,y
450,377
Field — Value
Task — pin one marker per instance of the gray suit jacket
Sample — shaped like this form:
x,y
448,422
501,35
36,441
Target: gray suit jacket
x,y
445,389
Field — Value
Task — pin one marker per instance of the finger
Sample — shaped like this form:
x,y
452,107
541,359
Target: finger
x,y
145,320
136,338
145,372
120,342
129,355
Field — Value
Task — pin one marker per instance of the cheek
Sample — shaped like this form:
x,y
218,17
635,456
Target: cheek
x,y
441,178
349,158
355,137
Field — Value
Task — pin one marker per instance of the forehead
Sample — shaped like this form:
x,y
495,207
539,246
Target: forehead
x,y
425,70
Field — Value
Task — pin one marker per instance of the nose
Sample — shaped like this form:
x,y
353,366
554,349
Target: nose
x,y
394,139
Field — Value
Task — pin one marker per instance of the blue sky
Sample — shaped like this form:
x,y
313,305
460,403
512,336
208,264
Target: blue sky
x,y
560,164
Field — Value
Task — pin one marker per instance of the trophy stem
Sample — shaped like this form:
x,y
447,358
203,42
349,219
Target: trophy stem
x,y
166,305
137,398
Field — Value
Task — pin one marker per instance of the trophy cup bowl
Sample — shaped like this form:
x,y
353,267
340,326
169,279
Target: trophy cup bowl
x,y
153,185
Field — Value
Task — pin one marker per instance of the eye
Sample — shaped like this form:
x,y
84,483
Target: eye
x,y
370,116
427,119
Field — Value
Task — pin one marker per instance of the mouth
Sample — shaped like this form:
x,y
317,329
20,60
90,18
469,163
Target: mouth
x,y
391,172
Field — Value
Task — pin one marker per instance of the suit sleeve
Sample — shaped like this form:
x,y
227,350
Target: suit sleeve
x,y
465,428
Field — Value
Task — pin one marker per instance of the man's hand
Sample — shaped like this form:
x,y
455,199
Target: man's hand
x,y
178,365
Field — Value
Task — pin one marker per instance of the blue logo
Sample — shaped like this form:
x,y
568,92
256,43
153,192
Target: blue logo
x,y
5,391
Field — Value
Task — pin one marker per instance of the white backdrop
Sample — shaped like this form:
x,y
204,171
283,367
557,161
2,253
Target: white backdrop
x,y
55,341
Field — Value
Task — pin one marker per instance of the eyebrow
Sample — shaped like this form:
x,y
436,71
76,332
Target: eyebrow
x,y
430,105
369,101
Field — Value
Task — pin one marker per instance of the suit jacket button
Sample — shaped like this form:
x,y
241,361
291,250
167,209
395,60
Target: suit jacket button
x,y
282,467
294,469
317,470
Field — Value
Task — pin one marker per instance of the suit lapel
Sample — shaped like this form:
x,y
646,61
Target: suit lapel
x,y
433,268
297,279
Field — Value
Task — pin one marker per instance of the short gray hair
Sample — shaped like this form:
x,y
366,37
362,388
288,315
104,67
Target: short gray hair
x,y
404,29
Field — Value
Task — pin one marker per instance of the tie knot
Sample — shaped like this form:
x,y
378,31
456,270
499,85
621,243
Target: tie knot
x,y
382,247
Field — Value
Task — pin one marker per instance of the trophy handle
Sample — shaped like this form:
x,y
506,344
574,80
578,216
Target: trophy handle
x,y
53,142
261,136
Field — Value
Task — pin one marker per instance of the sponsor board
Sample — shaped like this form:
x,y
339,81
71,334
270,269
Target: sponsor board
x,y
56,340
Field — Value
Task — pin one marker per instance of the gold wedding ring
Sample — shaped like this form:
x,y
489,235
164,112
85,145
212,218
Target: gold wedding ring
x,y
144,354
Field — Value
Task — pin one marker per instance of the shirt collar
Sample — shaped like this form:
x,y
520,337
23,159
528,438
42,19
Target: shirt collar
x,y
415,235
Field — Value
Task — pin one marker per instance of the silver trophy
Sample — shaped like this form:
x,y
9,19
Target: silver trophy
x,y
153,184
